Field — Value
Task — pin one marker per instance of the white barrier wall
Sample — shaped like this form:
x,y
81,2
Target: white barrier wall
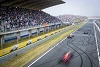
x,y
22,33
41,29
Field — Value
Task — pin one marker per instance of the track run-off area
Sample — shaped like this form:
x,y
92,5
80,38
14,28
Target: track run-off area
x,y
85,49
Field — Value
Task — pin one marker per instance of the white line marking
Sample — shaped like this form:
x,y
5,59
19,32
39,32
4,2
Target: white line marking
x,y
50,49
97,26
97,42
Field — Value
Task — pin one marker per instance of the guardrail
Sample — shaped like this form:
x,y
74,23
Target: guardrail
x,y
24,29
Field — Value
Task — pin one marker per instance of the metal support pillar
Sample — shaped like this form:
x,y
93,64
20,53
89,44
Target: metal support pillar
x,y
18,37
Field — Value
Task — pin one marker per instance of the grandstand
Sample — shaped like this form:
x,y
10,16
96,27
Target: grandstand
x,y
13,17
21,18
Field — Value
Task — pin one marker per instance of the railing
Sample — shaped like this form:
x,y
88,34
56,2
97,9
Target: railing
x,y
4,30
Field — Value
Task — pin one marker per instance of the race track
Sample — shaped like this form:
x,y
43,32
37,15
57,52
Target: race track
x,y
82,45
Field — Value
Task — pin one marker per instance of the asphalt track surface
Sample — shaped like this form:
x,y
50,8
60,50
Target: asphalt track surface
x,y
83,47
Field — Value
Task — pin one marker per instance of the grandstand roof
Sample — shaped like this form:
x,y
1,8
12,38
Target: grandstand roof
x,y
31,4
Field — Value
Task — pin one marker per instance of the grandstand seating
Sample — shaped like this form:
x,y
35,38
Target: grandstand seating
x,y
15,18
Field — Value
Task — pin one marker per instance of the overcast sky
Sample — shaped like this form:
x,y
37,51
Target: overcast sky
x,y
76,7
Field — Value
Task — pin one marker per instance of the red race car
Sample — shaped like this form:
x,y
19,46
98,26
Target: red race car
x,y
70,36
66,57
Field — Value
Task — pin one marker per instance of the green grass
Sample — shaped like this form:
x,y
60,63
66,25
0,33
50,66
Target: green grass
x,y
27,56
9,44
